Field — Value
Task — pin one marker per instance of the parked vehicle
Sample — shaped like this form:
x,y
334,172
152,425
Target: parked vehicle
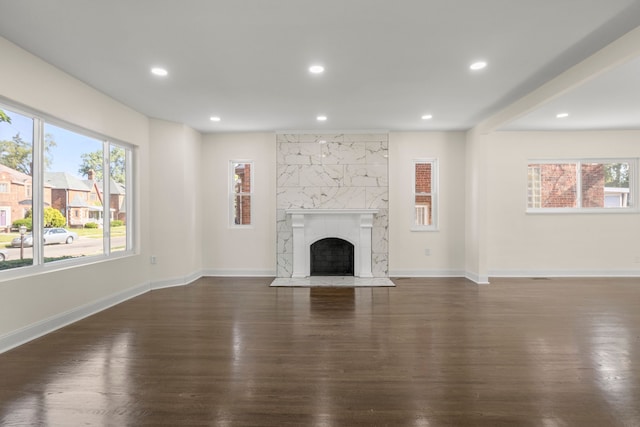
x,y
49,236
3,255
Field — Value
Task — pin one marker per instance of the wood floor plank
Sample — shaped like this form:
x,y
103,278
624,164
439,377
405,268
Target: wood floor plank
x,y
429,352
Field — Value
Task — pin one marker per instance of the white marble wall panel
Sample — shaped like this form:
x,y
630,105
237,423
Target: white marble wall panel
x,y
379,265
365,137
377,153
332,171
288,175
376,198
293,197
320,138
285,242
341,153
285,265
320,198
299,153
379,240
321,176
365,175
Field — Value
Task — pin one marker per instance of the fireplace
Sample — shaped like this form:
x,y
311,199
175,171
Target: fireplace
x,y
331,257
314,225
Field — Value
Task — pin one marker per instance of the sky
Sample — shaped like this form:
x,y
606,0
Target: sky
x,y
70,145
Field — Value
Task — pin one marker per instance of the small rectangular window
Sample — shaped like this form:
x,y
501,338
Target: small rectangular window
x,y
241,191
580,185
424,195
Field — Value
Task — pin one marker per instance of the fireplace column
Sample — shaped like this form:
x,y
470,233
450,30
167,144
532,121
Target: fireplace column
x,y
366,225
299,267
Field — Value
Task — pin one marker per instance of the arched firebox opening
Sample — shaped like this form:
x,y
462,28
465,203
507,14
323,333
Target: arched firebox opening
x,y
331,257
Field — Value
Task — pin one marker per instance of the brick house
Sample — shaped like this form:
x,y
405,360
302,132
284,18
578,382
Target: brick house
x,y
16,196
78,200
117,204
555,185
81,200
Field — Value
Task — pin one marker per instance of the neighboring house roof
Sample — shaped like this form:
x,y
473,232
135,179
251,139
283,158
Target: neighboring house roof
x,y
18,177
114,187
78,202
64,180
15,175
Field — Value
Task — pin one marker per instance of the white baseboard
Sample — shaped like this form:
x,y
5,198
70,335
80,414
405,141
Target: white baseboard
x,y
426,273
176,281
28,333
564,273
476,278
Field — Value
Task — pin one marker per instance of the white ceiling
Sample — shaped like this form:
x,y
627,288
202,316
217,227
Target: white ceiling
x,y
387,62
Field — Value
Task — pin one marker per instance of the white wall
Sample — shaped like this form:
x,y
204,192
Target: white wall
x,y
447,246
176,208
523,244
32,305
239,251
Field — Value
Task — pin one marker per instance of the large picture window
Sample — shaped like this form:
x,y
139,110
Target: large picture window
x,y
582,185
67,194
425,194
241,191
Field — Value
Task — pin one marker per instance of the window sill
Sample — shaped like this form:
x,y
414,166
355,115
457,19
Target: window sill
x,y
420,229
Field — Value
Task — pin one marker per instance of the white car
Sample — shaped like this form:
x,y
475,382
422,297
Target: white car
x,y
49,237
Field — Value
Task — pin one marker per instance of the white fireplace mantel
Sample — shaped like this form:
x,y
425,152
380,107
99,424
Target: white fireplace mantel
x,y
352,225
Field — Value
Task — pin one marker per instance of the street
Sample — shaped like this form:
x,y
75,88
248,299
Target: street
x,y
82,246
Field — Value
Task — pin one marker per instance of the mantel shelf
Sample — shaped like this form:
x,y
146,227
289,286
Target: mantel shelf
x,y
331,211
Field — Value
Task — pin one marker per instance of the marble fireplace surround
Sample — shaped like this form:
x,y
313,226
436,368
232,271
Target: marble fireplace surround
x,y
311,225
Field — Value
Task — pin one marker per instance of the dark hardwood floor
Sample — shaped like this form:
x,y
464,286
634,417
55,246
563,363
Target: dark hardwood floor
x,y
429,352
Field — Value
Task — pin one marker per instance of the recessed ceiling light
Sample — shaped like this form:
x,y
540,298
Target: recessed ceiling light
x,y
562,115
427,117
321,118
478,65
214,118
158,71
316,69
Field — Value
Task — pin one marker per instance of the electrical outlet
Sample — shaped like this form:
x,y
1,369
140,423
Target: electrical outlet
x,y
427,252
154,260
638,259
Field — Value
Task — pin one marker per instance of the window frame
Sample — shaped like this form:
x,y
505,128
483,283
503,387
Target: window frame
x,y
37,191
435,193
233,193
634,206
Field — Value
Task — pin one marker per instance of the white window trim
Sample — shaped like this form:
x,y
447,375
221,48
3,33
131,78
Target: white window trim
x,y
435,194
634,190
232,193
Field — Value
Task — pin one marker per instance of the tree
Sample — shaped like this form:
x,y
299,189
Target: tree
x,y
4,117
616,175
18,153
52,217
93,161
